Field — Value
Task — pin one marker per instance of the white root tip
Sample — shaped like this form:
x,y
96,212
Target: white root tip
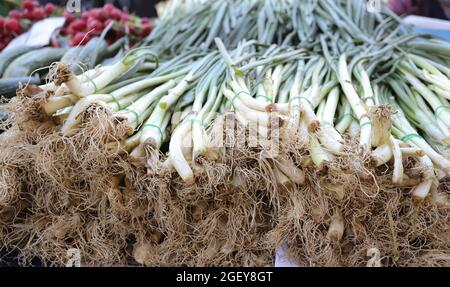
x,y
421,191
138,152
143,251
338,190
336,229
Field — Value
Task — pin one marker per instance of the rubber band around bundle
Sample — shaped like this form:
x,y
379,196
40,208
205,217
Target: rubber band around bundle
x,y
136,115
366,98
116,102
365,124
408,137
156,127
345,116
235,96
363,116
92,82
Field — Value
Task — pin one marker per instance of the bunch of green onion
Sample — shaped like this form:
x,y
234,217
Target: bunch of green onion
x,y
329,70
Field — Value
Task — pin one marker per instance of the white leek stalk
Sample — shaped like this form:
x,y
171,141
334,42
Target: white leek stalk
x,y
421,191
176,155
397,177
381,155
357,105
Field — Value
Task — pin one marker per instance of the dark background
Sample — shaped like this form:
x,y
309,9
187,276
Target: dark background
x,y
430,8
139,7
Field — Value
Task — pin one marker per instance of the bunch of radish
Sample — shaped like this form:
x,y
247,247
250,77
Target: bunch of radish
x,y
81,27
20,20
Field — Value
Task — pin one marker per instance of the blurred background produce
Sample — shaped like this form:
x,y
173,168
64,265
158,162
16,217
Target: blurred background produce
x,y
79,28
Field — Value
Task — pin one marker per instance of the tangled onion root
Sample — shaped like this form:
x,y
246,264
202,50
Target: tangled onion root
x,y
50,237
63,192
226,229
73,194
26,109
223,218
375,214
10,177
60,73
92,218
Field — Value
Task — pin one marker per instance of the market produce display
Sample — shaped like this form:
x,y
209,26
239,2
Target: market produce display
x,y
235,127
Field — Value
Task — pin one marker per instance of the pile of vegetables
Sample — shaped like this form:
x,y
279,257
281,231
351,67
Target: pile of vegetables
x,y
20,20
233,128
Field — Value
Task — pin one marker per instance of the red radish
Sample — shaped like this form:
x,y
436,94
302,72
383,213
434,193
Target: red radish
x,y
80,39
116,14
38,14
107,21
93,13
131,29
102,15
14,14
145,20
95,25
98,14
125,17
28,4
28,14
72,43
109,7
68,16
78,25
85,15
12,25
70,31
49,8
90,18
146,29
2,22
7,39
